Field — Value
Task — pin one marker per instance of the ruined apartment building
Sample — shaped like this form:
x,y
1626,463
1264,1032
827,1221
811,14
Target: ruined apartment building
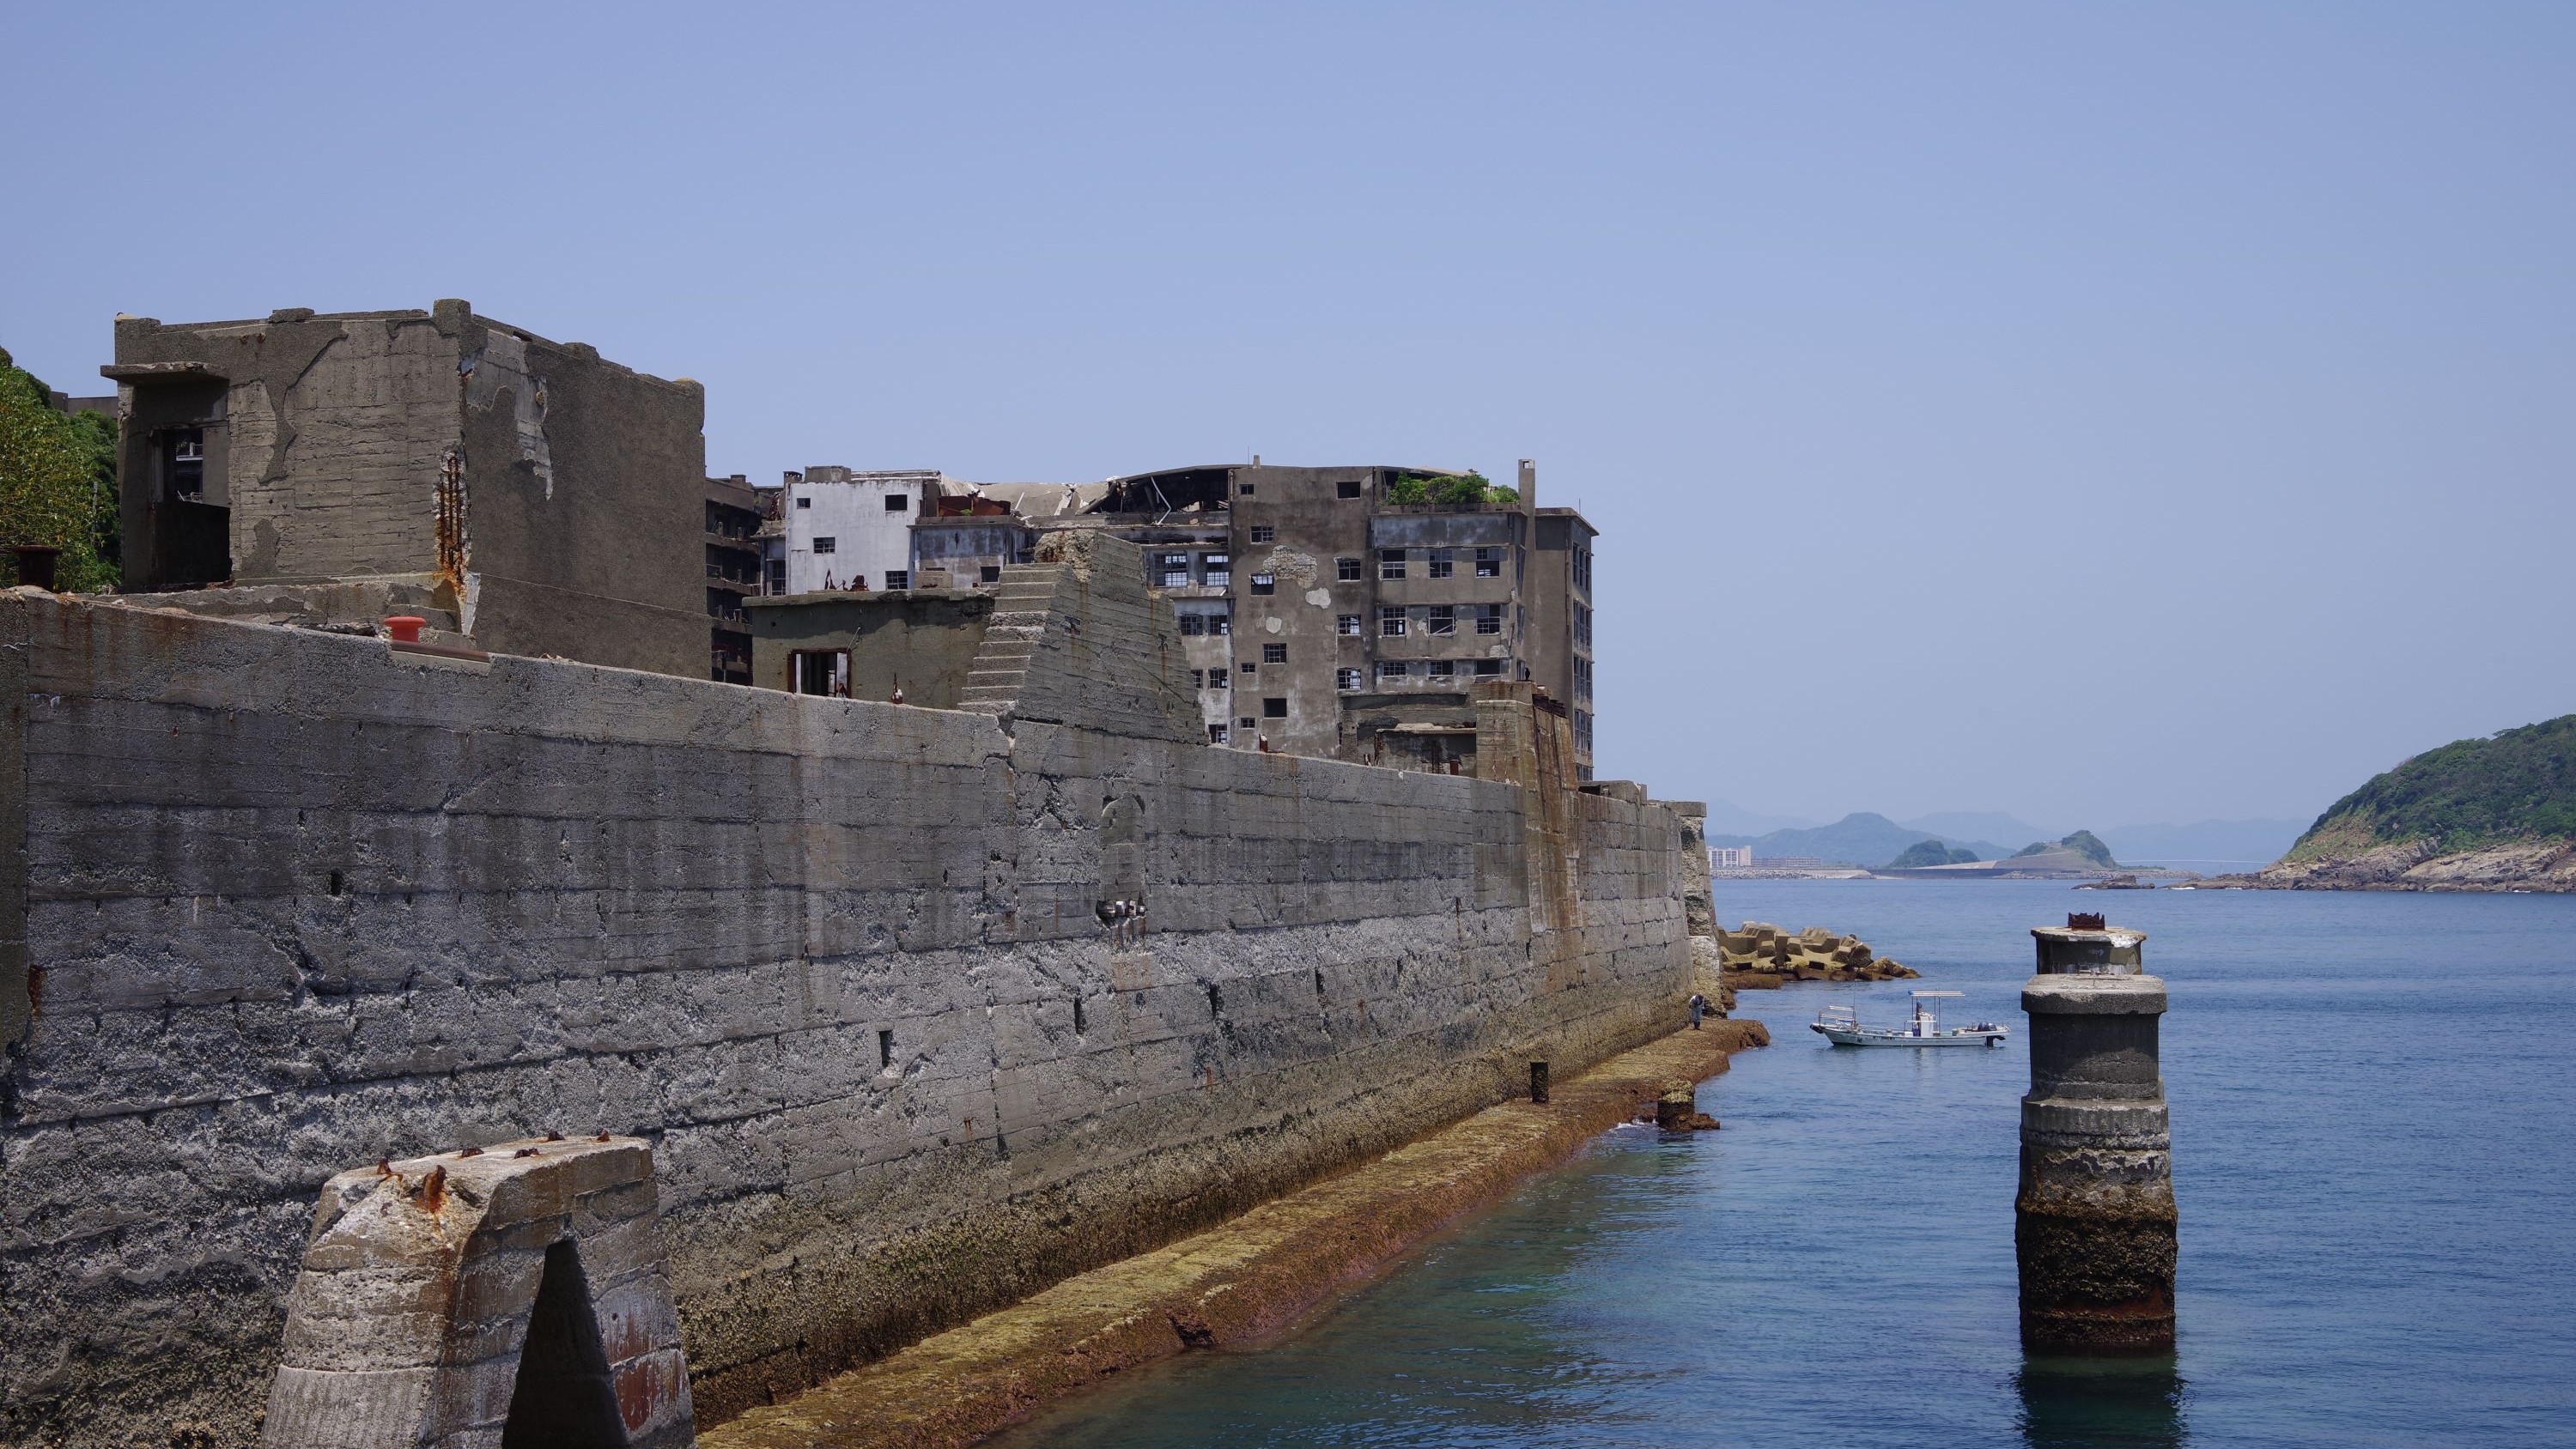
x,y
1314,616
524,495
1318,618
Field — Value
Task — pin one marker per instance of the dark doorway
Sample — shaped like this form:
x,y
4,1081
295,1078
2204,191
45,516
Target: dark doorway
x,y
563,1397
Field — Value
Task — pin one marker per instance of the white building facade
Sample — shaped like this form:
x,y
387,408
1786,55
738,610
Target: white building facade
x,y
846,529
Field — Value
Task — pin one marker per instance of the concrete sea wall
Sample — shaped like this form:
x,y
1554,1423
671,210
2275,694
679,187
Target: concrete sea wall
x,y
279,903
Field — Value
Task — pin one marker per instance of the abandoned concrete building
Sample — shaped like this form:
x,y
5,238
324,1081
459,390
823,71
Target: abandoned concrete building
x,y
1314,615
1320,617
522,494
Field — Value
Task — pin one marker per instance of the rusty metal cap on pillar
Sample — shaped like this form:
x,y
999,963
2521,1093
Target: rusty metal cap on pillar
x,y
2087,946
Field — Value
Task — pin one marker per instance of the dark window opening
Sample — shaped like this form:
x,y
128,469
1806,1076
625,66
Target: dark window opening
x,y
1390,563
898,578
1265,584
824,672
1248,666
898,502
1346,569
1346,679
1442,668
1274,708
563,1397
885,1048
989,573
1077,1016
1489,563
827,544
1444,619
1216,734
1274,653
183,454
1489,668
804,502
1194,625
1263,533
1441,567
1347,488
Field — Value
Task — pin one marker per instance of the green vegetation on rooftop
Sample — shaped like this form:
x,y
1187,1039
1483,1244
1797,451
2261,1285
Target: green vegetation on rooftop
x,y
1458,489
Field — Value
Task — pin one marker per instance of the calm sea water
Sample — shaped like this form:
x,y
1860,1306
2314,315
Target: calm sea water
x,y
2374,1109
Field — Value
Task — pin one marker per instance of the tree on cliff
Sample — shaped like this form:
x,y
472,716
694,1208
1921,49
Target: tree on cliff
x,y
2518,784
57,482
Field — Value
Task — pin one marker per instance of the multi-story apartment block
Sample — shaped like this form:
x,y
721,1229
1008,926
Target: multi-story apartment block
x,y
1330,611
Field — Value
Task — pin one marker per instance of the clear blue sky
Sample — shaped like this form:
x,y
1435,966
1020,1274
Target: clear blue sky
x,y
2100,413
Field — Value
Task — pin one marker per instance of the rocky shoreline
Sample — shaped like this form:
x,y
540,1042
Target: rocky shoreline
x,y
2537,866
1759,956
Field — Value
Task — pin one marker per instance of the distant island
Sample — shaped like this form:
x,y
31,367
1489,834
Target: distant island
x,y
2493,814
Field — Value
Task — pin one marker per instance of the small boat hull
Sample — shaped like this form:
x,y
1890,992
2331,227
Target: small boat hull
x,y
1881,1037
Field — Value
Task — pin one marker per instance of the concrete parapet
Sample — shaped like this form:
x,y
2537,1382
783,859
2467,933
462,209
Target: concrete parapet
x,y
514,1294
2094,1221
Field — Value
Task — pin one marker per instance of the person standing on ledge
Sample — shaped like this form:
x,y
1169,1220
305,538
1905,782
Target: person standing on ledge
x,y
1698,1006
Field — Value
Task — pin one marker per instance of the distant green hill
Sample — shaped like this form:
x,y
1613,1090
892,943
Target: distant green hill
x,y
1860,839
2519,784
1931,852
2083,842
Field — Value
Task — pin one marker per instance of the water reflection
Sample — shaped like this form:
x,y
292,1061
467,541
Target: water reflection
x,y
2101,1403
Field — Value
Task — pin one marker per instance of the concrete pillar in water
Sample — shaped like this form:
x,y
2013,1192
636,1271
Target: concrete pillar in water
x,y
2093,1225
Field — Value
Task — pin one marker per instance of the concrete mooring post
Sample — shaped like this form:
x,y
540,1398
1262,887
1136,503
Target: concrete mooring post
x,y
2093,1225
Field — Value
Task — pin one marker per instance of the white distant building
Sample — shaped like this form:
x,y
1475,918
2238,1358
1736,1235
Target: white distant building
x,y
851,529
1730,857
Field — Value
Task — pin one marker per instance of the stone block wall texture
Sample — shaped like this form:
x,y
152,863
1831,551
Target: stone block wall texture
x,y
281,903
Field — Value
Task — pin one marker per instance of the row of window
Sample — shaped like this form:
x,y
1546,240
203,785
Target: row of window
x,y
894,502
1176,571
1433,669
1437,563
1394,620
1583,625
1582,678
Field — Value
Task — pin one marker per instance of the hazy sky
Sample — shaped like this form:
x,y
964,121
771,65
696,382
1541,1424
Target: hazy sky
x,y
2104,414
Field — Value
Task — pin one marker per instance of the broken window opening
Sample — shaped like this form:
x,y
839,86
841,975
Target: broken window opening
x,y
898,503
1444,619
1390,621
1193,625
1489,563
1216,734
823,672
989,574
1346,623
1347,488
1346,679
1489,618
1274,653
1440,564
1274,707
1347,570
1265,583
1489,668
885,1047
1390,563
1443,668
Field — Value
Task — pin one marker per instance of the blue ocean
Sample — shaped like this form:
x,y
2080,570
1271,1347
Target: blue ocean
x,y
2374,1116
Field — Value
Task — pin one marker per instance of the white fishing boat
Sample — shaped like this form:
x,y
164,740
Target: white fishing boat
x,y
1841,1026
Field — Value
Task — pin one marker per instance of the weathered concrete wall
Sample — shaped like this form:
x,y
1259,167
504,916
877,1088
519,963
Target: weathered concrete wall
x,y
292,903
922,639
557,494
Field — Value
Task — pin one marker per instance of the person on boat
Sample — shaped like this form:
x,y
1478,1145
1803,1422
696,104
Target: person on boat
x,y
1698,1006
